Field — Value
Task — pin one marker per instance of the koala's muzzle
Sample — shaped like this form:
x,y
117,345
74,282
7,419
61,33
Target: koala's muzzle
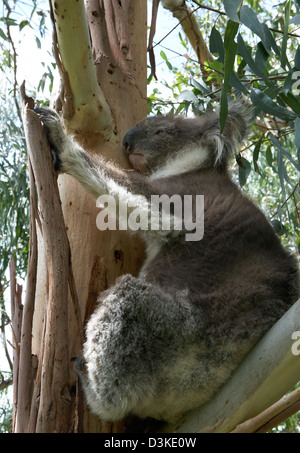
x,y
129,139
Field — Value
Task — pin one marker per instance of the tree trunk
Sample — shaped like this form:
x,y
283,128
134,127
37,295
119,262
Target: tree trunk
x,y
98,117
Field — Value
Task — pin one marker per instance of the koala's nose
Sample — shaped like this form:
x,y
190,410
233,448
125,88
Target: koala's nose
x,y
129,139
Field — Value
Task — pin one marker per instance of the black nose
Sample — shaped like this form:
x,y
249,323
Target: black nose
x,y
129,138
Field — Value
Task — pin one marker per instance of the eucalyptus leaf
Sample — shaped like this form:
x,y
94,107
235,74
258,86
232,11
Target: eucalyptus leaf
x,y
295,20
237,84
284,152
284,60
297,58
269,156
281,172
231,7
230,52
244,170
269,41
187,96
249,18
245,53
297,132
216,44
267,105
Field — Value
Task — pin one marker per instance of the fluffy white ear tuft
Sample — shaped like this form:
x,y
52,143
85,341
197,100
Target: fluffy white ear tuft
x,y
238,123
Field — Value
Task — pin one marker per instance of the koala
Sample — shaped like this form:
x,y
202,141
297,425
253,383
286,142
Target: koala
x,y
163,343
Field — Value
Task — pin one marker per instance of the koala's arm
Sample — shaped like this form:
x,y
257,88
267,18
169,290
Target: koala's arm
x,y
129,189
97,176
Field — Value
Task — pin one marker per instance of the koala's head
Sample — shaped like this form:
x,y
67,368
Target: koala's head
x,y
159,140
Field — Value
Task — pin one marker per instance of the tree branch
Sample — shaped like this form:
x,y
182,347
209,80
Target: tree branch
x,y
272,416
52,383
190,27
267,373
95,17
91,111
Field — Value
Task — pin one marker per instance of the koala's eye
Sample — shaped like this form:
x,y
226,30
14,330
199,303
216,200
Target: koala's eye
x,y
159,131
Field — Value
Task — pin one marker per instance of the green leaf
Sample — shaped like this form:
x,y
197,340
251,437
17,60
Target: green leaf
x,y
269,42
281,171
261,56
267,105
163,55
201,86
3,35
284,60
297,58
216,44
256,153
291,101
244,52
288,82
237,84
231,7
279,227
297,132
244,170
285,153
23,24
38,42
269,157
187,96
230,52
248,18
295,20
230,32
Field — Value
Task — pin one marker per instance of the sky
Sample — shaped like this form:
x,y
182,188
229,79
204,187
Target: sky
x,y
30,57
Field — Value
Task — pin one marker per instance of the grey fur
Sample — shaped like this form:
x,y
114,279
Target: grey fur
x,y
163,343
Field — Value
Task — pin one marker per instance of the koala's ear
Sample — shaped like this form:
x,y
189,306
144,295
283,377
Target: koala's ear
x,y
238,123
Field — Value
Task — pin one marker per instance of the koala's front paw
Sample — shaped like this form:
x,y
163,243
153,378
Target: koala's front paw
x,y
55,133
78,365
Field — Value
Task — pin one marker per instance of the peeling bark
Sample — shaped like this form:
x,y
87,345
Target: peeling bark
x,y
52,385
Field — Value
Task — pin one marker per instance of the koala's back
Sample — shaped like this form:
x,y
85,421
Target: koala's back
x,y
162,344
239,275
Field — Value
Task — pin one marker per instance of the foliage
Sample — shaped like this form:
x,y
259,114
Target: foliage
x,y
14,191
257,57
5,410
14,194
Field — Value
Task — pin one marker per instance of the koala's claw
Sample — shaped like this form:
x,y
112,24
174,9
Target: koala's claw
x,y
54,131
78,365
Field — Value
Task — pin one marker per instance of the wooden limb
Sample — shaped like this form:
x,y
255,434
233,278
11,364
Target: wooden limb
x,y
97,284
92,113
268,372
155,5
25,369
191,29
64,101
117,54
121,13
54,393
272,416
16,323
95,17
76,304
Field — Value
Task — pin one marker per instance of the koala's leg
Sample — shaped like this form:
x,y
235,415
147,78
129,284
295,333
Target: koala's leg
x,y
135,334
